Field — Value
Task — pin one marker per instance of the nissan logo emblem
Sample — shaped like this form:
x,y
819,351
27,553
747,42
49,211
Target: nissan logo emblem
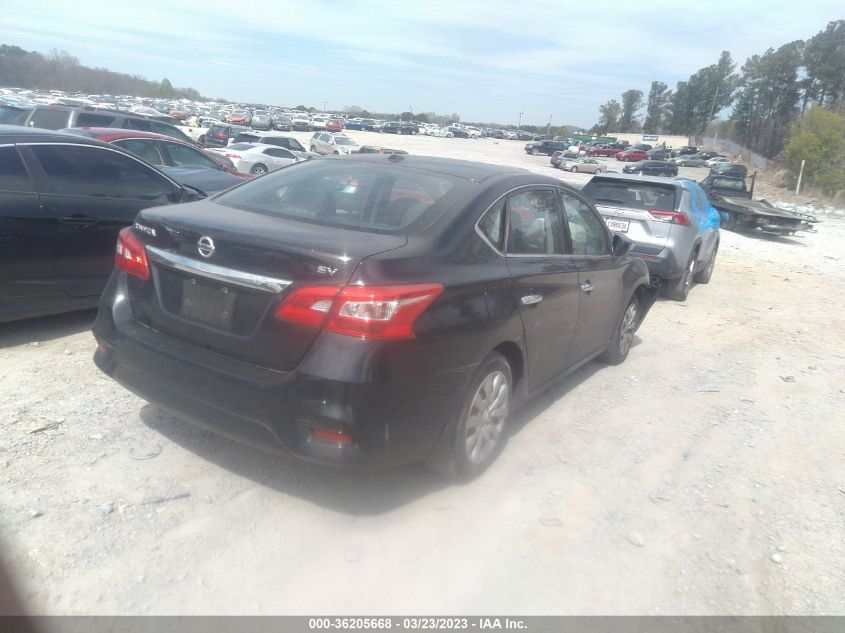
x,y
205,246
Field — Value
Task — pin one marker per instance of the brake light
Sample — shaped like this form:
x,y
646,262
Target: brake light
x,y
670,217
130,255
308,306
238,156
368,312
330,436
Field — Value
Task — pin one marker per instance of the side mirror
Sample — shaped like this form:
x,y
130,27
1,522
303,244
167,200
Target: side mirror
x,y
190,194
621,245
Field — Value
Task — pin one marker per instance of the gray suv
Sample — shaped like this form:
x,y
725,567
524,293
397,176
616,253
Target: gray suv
x,y
672,224
57,117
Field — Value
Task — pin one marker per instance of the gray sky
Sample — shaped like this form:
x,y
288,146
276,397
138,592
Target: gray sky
x,y
488,61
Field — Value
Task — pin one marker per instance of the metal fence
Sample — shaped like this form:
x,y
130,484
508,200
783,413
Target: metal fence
x,y
735,149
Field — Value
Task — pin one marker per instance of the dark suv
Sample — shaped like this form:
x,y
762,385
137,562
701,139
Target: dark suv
x,y
220,134
545,147
58,117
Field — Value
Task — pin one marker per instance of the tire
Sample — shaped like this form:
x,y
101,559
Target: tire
x,y
703,276
678,288
535,152
623,335
479,434
337,153
258,170
201,140
574,169
312,149
730,223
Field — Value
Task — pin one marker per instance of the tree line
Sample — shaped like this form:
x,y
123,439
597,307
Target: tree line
x,y
768,94
60,71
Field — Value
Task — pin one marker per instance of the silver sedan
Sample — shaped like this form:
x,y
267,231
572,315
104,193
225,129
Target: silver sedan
x,y
584,166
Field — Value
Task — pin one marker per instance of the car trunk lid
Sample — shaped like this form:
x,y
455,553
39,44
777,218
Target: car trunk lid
x,y
218,274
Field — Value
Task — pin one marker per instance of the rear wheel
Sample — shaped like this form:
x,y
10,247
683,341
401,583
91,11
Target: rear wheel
x,y
678,289
258,170
703,276
574,169
623,336
480,432
730,221
535,152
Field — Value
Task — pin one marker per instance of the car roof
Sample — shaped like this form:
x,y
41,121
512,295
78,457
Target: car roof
x,y
637,178
468,170
115,134
20,134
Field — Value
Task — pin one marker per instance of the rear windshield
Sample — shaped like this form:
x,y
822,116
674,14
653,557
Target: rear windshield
x,y
633,194
347,194
729,183
12,115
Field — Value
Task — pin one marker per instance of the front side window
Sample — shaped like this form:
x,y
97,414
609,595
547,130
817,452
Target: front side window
x,y
586,229
534,224
142,148
184,155
93,171
345,194
137,124
13,175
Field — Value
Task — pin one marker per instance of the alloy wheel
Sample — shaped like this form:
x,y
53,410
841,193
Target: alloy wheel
x,y
629,326
486,418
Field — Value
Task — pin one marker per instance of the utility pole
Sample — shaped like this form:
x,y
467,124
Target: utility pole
x,y
549,126
800,176
519,125
324,105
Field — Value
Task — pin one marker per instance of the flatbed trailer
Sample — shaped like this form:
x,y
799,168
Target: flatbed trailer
x,y
739,214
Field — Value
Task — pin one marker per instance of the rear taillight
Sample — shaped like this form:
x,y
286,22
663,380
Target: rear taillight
x,y
238,156
130,255
368,312
670,217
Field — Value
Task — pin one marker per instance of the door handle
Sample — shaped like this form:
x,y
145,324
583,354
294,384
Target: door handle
x,y
79,222
587,286
530,300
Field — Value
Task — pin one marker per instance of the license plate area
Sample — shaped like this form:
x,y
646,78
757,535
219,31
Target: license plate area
x,y
208,303
620,226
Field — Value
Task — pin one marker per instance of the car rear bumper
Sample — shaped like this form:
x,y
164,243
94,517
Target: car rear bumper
x,y
662,262
389,420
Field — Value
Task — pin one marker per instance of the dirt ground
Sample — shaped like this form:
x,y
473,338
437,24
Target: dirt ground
x,y
705,475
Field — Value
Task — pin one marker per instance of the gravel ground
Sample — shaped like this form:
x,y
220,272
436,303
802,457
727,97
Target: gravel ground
x,y
705,475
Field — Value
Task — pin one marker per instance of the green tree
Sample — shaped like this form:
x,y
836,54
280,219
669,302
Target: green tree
x,y
166,89
824,65
608,118
819,139
301,108
406,116
632,101
657,108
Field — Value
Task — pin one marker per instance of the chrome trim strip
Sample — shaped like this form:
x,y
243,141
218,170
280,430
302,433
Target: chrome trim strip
x,y
218,273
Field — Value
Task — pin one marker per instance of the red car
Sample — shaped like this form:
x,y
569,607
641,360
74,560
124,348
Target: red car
x,y
603,150
238,118
334,125
160,150
632,155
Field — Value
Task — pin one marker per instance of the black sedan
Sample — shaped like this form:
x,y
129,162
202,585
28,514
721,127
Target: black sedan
x,y
652,168
368,311
63,199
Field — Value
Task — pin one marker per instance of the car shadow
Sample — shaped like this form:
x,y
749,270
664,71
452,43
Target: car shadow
x,y
349,492
771,237
353,493
46,328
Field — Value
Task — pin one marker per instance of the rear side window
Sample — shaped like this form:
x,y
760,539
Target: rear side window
x,y
729,183
345,194
49,119
587,231
534,224
13,175
13,116
92,171
168,130
278,152
88,119
492,225
137,124
631,194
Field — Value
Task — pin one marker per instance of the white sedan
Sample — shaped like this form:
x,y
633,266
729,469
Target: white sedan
x,y
716,160
256,158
